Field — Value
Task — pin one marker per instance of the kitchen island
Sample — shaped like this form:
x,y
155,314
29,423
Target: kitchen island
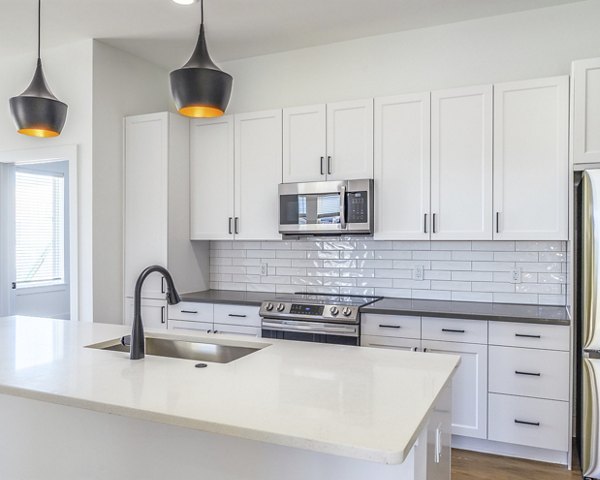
x,y
289,410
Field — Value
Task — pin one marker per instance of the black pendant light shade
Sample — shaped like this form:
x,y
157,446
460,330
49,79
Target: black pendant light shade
x,y
200,88
37,112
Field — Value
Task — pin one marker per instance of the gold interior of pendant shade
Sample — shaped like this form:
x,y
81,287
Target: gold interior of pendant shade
x,y
201,111
39,132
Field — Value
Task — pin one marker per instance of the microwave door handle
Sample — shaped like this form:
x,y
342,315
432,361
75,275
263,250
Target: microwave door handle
x,y
343,207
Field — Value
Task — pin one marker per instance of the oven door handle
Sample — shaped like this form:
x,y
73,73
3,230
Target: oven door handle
x,y
314,328
343,207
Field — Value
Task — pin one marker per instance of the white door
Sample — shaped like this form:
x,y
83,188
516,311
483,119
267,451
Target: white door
x,y
350,140
469,386
586,111
257,175
304,144
402,167
154,313
461,163
146,200
531,159
211,179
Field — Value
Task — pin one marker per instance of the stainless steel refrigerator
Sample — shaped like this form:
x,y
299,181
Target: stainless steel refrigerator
x,y
588,289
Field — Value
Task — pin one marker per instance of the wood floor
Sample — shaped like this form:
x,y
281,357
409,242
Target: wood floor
x,y
480,466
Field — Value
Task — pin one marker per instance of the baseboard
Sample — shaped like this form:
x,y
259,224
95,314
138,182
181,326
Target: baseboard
x,y
510,450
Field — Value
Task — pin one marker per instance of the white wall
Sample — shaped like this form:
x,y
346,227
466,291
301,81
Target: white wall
x,y
69,73
529,44
122,85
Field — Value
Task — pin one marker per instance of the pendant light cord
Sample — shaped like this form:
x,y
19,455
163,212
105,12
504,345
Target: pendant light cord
x,y
201,12
39,27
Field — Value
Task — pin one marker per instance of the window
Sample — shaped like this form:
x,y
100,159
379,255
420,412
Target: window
x,y
40,233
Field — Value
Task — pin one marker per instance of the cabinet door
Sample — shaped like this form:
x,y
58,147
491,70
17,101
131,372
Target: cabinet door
x,y
350,140
531,159
211,179
586,111
402,167
257,175
469,387
154,313
146,200
461,164
304,144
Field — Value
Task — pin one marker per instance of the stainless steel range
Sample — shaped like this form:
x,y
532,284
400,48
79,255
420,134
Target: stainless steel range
x,y
317,318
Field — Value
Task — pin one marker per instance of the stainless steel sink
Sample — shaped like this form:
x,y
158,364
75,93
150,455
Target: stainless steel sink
x,y
186,349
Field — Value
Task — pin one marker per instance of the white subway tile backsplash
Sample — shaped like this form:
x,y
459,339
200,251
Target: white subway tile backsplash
x,y
480,271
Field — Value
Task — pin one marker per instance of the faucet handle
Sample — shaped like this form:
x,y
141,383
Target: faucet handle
x,y
126,340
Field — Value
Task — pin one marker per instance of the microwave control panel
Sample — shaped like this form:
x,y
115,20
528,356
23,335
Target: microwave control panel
x,y
358,207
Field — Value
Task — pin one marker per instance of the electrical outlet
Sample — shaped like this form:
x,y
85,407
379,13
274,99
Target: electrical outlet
x,y
516,275
418,273
264,268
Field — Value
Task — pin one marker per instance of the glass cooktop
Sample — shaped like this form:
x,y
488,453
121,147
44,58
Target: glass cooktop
x,y
325,299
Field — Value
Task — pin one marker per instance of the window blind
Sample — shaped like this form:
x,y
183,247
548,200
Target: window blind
x,y
39,217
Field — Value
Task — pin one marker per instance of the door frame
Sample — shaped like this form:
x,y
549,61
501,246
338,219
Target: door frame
x,y
53,154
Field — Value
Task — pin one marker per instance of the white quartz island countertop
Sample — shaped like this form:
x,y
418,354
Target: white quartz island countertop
x,y
364,403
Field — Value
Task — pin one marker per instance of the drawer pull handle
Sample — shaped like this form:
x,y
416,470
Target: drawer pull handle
x,y
237,315
452,330
531,374
523,422
189,311
383,325
522,335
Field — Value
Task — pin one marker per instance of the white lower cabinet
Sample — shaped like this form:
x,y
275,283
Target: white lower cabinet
x,y
236,330
397,343
469,387
154,313
184,326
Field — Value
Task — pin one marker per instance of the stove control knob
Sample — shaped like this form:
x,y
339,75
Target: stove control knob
x,y
280,307
334,310
347,311
269,307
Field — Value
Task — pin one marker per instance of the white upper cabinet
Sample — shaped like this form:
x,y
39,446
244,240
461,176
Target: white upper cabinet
x,y
258,144
328,142
350,140
146,200
304,143
586,111
402,167
211,178
461,163
531,159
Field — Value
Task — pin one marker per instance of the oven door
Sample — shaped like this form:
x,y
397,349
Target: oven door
x,y
310,331
326,208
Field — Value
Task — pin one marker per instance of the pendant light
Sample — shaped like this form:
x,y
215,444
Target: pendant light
x,y
200,88
37,112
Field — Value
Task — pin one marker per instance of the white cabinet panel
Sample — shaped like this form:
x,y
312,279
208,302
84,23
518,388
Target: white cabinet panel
x,y
455,330
586,111
530,335
391,325
531,159
469,386
402,167
396,343
257,175
237,315
211,178
461,164
154,313
190,327
304,143
246,331
191,312
146,200
350,140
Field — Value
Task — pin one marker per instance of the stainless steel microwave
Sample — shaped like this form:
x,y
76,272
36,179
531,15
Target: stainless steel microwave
x,y
326,208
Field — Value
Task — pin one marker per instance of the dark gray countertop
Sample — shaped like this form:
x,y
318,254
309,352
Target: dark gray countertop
x,y
501,312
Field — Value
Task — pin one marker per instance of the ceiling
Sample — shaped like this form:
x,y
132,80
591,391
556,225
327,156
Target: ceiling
x,y
163,32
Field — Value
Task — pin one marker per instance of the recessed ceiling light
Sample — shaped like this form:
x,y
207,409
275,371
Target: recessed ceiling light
x,y
185,2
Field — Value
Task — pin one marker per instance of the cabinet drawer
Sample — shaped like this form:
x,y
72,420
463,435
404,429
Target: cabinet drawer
x,y
529,335
528,421
203,327
237,330
391,325
411,344
529,372
192,312
455,330
237,315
